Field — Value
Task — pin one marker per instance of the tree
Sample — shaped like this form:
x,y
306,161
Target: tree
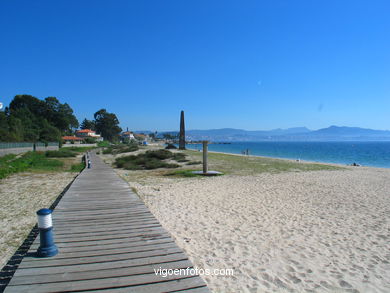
x,y
107,125
30,119
60,115
88,124
16,130
4,131
49,133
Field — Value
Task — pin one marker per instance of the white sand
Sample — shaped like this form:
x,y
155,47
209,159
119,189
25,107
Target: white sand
x,y
21,195
323,231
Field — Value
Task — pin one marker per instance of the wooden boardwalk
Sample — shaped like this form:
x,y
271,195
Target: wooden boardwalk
x,y
108,241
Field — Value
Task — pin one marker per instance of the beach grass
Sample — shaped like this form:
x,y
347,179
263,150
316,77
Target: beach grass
x,y
151,159
28,161
188,161
79,149
78,167
249,165
50,161
61,153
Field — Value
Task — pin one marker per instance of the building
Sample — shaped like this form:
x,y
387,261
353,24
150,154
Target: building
x,y
140,136
84,133
127,135
72,139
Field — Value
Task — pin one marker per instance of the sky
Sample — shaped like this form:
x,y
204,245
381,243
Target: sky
x,y
254,65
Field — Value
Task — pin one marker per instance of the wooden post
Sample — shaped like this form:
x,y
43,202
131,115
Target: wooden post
x,y
205,169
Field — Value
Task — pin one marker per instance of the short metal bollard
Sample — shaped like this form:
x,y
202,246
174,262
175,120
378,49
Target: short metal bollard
x,y
89,164
47,247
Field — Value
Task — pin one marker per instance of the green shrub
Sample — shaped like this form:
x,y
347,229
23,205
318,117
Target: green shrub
x,y
77,167
131,166
89,140
107,151
179,157
62,153
79,149
102,144
146,161
155,164
128,149
159,154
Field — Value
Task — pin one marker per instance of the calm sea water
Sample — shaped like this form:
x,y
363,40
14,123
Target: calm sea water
x,y
375,154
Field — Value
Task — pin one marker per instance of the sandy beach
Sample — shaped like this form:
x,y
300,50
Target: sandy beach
x,y
21,195
316,231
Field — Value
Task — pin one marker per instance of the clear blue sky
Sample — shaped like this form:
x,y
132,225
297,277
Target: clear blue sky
x,y
241,64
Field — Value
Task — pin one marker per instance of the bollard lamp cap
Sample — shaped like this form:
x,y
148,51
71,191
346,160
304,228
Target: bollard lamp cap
x,y
44,212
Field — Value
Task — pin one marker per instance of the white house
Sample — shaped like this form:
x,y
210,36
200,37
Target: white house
x,y
84,133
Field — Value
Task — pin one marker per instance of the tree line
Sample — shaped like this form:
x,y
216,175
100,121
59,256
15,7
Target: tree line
x,y
29,119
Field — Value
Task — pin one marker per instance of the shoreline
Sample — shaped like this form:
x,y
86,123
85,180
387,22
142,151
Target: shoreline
x,y
291,160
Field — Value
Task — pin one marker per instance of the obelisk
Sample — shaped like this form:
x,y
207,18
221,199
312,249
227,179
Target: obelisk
x,y
182,134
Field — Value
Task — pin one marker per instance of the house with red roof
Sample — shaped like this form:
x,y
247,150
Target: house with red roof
x,y
72,139
127,135
84,133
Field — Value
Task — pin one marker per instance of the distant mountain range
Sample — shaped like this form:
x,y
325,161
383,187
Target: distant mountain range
x,y
332,133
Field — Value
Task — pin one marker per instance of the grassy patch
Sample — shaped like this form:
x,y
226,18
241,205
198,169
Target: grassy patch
x,y
182,173
146,161
107,151
28,161
102,144
242,165
128,149
179,157
121,148
79,149
77,167
61,153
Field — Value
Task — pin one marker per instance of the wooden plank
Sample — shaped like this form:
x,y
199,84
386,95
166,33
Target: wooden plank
x,y
91,243
97,274
104,252
99,284
107,239
159,259
107,228
103,243
38,263
146,231
65,250
127,230
190,285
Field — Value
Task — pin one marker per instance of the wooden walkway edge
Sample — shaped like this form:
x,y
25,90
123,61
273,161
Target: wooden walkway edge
x,y
108,241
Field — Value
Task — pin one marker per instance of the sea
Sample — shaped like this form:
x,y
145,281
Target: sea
x,y
373,154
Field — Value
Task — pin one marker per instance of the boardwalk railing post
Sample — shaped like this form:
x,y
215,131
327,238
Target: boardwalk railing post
x,y
46,247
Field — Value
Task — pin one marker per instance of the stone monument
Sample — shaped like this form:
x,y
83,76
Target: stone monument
x,y
182,134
